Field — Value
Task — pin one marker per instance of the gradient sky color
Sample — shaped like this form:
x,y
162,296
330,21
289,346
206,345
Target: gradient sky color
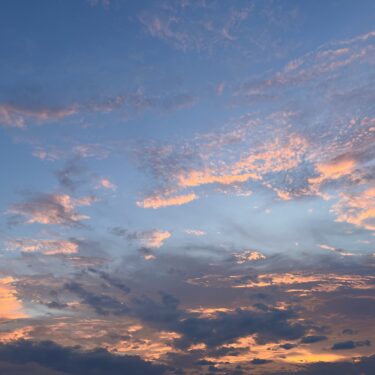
x,y
188,187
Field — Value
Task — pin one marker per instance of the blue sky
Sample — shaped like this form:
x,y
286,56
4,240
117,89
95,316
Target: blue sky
x,y
164,144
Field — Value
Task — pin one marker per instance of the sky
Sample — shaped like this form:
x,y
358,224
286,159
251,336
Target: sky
x,y
188,187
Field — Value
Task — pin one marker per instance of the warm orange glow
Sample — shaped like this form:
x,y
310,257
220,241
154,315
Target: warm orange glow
x,y
306,356
10,306
21,333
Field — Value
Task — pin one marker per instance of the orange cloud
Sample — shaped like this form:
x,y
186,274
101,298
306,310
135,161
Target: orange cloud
x,y
333,170
10,306
17,334
357,209
154,238
160,201
197,178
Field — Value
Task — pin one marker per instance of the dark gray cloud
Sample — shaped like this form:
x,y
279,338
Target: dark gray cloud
x,y
272,325
73,360
101,303
259,361
112,281
346,345
312,339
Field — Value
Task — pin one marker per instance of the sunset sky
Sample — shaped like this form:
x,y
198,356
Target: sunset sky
x,y
187,187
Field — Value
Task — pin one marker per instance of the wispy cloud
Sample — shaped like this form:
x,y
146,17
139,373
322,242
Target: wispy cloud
x,y
14,116
336,250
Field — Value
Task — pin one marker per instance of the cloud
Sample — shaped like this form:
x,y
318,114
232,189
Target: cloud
x,y
14,116
320,64
223,327
150,238
276,156
80,151
362,365
312,339
111,280
107,184
337,250
332,171
52,209
242,28
139,101
259,361
71,175
47,247
162,201
154,238
357,208
195,232
248,256
147,254
103,304
10,306
197,178
305,282
347,345
219,89
18,115
227,160
163,28
192,327
74,361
